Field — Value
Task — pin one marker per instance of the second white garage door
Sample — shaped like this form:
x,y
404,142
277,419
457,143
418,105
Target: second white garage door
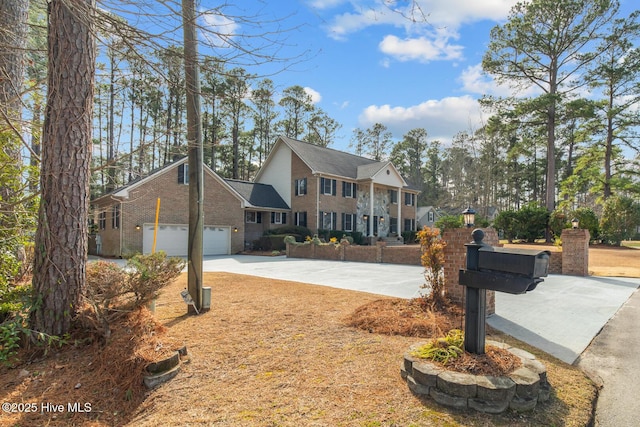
x,y
173,239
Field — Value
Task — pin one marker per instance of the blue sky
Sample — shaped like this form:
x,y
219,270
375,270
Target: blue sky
x,y
367,63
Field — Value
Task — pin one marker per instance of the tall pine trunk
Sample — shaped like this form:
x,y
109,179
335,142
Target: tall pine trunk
x,y
61,238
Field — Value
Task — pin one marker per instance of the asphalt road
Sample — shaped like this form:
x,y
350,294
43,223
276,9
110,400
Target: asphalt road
x,y
612,361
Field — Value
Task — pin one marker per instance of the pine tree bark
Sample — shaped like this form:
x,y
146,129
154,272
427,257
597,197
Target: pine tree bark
x,y
61,237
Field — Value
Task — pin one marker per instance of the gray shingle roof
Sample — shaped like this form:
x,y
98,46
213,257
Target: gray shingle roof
x,y
259,195
332,162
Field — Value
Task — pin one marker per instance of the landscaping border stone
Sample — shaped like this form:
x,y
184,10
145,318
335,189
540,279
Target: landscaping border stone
x,y
520,390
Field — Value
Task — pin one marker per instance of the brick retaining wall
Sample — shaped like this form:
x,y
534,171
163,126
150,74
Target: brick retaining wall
x,y
575,260
409,255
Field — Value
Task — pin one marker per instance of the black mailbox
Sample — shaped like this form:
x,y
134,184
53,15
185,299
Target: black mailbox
x,y
514,271
523,262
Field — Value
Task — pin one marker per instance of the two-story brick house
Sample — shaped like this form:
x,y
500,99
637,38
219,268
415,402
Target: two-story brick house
x,y
299,184
334,190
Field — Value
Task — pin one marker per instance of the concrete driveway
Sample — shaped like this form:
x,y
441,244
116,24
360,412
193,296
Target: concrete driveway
x,y
402,281
561,317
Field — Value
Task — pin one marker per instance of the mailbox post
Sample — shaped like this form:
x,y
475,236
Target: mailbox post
x,y
514,271
475,301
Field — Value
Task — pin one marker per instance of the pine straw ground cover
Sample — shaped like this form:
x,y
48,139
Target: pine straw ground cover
x,y
269,353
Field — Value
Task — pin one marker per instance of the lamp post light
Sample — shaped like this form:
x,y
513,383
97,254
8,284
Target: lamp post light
x,y
574,223
469,216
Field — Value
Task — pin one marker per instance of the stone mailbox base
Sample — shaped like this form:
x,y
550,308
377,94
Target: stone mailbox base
x,y
519,391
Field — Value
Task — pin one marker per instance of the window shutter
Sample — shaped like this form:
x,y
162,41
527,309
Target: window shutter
x,y
296,187
321,185
259,217
333,187
284,217
273,217
344,189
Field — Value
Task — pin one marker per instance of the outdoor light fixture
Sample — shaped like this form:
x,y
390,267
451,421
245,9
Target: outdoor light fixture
x,y
235,229
469,216
381,219
365,217
137,226
574,223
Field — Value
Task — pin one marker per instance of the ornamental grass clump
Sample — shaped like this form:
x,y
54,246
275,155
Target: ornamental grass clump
x,y
442,350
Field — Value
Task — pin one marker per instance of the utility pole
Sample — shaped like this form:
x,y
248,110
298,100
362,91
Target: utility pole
x,y
195,161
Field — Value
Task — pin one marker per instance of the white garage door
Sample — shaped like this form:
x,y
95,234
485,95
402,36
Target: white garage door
x,y
173,239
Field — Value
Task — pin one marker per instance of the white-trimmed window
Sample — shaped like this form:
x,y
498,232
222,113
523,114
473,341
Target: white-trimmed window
x,y
349,189
301,187
115,217
393,197
393,225
328,186
183,174
300,219
348,222
278,217
409,224
102,220
327,220
409,199
253,217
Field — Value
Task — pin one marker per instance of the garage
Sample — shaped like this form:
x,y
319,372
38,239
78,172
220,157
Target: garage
x,y
173,239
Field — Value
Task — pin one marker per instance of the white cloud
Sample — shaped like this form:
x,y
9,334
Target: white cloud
x,y
325,4
474,80
420,49
418,15
314,94
219,29
442,118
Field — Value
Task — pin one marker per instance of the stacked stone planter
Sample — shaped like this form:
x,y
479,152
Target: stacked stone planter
x,y
519,391
162,371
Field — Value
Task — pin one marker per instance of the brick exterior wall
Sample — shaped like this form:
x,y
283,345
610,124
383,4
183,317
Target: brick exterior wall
x,y
455,255
221,208
409,255
307,202
314,201
575,252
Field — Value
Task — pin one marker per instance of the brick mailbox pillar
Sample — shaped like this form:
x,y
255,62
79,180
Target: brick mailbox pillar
x,y
455,260
575,252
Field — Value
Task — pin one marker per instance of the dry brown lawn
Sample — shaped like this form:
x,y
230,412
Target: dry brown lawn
x,y
269,353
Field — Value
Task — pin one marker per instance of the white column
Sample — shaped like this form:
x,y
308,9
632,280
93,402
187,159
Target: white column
x,y
399,230
371,200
